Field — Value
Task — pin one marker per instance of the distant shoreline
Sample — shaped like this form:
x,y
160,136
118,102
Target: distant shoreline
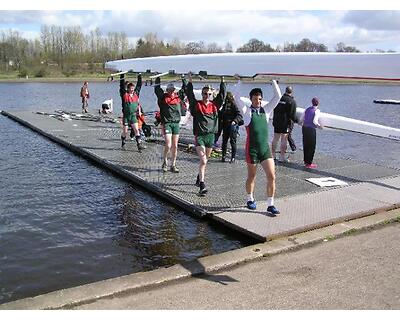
x,y
286,80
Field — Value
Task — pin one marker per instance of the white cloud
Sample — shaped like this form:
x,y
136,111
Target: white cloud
x,y
21,17
236,27
366,30
200,5
374,20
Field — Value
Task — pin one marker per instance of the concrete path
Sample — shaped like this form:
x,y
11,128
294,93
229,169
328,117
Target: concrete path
x,y
355,272
339,268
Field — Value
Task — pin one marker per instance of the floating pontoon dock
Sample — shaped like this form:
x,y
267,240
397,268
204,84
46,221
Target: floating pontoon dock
x,y
303,205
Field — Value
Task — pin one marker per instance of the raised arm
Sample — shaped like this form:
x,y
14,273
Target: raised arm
x,y
182,94
236,93
122,89
183,89
220,98
190,95
275,100
138,84
157,89
244,110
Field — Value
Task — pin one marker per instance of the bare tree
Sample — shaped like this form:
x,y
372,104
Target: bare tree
x,y
228,47
195,47
213,47
306,45
289,47
341,47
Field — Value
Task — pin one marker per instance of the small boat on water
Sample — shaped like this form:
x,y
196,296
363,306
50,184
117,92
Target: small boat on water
x,y
387,101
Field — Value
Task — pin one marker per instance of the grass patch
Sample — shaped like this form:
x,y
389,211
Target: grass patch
x,y
389,221
329,238
350,232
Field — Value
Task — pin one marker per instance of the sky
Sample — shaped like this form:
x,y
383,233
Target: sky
x,y
367,25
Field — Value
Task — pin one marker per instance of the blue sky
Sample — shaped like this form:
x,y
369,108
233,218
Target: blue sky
x,y
367,30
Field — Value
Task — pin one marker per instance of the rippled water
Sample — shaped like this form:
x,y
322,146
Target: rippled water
x,y
65,222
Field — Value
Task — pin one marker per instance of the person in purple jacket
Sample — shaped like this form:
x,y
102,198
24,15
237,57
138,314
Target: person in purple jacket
x,y
310,120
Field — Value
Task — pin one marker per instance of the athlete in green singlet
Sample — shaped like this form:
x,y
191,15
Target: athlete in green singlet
x,y
255,119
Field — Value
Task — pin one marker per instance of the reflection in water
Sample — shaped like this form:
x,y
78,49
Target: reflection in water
x,y
162,235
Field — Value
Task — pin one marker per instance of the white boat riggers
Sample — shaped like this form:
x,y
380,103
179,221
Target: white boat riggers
x,y
159,75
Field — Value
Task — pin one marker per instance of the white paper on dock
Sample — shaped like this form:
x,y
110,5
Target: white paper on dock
x,y
327,182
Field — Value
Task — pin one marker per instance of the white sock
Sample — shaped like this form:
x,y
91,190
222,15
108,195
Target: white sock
x,y
270,201
250,197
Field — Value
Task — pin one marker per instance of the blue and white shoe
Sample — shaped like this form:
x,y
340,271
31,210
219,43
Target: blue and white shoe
x,y
252,205
273,210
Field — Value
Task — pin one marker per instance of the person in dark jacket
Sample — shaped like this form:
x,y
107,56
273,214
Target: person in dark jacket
x,y
230,119
130,104
170,105
284,114
205,122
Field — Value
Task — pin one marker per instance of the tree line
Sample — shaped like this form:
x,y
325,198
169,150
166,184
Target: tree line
x,y
68,50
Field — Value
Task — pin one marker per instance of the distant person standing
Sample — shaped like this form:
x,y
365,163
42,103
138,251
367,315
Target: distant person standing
x,y
230,119
256,117
85,97
310,121
170,105
205,122
284,117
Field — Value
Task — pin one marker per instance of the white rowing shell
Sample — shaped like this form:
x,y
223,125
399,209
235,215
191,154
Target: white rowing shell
x,y
378,66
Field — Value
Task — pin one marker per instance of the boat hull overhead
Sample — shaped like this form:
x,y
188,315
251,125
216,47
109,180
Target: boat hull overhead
x,y
368,66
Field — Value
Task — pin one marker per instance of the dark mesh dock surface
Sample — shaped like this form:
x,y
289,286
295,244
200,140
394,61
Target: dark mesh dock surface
x,y
303,205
